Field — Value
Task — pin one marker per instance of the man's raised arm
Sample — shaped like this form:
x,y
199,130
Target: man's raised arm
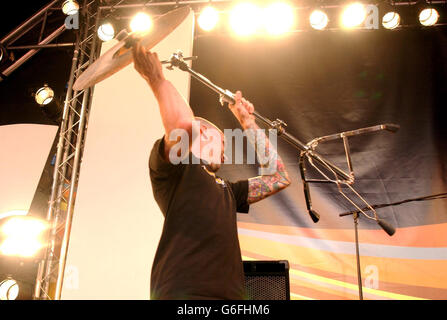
x,y
174,110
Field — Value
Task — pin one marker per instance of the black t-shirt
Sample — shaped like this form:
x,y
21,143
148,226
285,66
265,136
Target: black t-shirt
x,y
198,256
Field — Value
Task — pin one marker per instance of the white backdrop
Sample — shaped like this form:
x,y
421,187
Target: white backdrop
x,y
117,223
24,149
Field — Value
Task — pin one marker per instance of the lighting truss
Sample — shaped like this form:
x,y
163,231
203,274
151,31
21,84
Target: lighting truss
x,y
68,158
40,30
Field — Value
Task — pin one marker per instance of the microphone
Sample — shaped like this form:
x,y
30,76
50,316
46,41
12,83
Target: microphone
x,y
314,215
386,227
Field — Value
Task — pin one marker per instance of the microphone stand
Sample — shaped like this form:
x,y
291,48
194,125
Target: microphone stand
x,y
344,135
357,255
307,152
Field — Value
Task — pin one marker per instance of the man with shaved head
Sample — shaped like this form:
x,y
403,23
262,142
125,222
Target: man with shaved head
x,y
198,256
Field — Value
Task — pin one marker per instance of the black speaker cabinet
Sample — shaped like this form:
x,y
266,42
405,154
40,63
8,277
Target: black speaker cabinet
x,y
267,280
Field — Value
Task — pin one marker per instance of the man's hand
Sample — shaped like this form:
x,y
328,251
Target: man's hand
x,y
148,66
243,110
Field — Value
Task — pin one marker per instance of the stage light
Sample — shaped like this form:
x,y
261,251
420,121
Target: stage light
x,y
20,247
318,20
245,19
13,213
21,236
428,17
141,23
44,95
353,15
278,18
391,20
106,31
208,18
28,226
6,56
70,7
3,53
9,289
50,105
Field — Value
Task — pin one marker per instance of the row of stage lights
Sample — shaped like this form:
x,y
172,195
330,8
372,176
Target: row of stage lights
x,y
277,18
246,19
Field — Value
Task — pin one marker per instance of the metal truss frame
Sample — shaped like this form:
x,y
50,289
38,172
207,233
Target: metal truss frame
x,y
70,146
35,25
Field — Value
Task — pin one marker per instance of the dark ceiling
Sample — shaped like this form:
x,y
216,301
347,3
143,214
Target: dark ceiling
x,y
50,65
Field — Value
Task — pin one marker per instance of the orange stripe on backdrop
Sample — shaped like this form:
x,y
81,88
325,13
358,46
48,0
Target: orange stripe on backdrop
x,y
321,291
420,236
425,273
301,277
306,288
302,287
302,290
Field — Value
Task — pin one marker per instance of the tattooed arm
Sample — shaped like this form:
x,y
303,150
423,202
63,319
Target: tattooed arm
x,y
271,181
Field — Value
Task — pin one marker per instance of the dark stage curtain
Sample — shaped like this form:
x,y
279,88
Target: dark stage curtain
x,y
322,83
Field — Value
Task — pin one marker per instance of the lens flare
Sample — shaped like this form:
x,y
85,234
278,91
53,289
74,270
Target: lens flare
x,y
208,19
353,15
245,19
278,18
141,23
21,236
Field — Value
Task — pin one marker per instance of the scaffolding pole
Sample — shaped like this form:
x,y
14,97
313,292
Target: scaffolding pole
x,y
27,28
50,275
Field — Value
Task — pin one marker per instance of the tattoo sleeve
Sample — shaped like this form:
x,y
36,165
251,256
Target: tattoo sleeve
x,y
274,176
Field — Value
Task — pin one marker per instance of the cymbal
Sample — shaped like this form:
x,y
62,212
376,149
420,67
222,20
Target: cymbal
x,y
120,55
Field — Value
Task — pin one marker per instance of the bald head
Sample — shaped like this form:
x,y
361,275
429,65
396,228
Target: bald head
x,y
209,144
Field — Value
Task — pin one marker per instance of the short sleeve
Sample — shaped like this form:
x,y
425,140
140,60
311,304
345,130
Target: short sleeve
x,y
158,166
240,192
